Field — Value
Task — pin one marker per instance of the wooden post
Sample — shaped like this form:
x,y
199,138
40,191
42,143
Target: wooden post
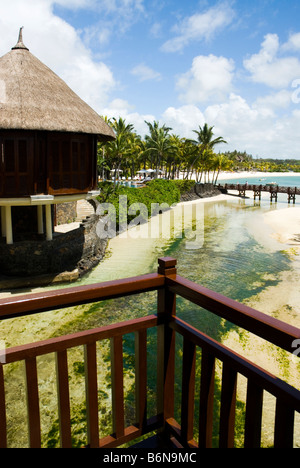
x,y
40,219
273,195
166,309
8,225
49,235
3,229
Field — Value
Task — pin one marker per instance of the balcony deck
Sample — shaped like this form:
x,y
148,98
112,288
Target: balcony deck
x,y
163,429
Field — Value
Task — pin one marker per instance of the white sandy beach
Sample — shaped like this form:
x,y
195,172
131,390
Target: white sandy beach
x,y
254,175
285,224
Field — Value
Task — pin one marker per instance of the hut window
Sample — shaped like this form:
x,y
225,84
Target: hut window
x,y
66,156
55,156
75,156
71,164
9,155
83,161
17,159
22,156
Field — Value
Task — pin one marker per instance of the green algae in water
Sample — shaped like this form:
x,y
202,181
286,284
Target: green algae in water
x,y
230,262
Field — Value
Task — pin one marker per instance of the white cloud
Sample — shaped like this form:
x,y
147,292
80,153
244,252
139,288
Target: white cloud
x,y
109,19
184,120
102,5
293,43
210,78
96,34
271,102
117,108
74,3
201,26
121,108
156,30
57,44
267,68
145,73
254,129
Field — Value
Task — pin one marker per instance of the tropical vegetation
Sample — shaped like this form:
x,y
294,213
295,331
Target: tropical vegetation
x,y
167,155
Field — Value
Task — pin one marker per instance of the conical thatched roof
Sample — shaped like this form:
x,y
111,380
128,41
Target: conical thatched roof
x,y
32,97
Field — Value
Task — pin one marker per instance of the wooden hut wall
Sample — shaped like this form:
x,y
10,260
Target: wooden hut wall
x,y
46,163
16,166
72,163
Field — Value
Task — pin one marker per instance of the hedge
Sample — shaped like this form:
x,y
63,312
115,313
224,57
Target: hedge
x,y
158,191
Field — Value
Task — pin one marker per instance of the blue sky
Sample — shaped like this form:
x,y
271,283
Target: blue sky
x,y
234,64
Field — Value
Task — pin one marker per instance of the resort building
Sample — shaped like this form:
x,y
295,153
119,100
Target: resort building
x,y
48,144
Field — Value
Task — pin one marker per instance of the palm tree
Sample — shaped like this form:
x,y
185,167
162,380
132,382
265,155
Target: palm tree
x,y
204,144
205,137
119,149
103,163
175,157
221,163
135,148
204,164
158,144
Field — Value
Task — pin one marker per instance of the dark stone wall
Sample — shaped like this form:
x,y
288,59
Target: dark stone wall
x,y
66,212
200,191
80,248
206,190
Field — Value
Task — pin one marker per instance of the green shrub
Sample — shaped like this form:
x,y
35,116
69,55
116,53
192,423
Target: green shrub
x,y
184,185
157,191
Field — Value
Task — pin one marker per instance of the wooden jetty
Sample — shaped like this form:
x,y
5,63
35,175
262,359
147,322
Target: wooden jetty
x,y
257,190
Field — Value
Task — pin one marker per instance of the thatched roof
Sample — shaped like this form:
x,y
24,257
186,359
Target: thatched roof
x,y
32,97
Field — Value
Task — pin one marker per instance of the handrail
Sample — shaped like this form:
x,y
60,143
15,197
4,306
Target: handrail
x,y
58,299
273,330
63,343
168,285
261,187
243,366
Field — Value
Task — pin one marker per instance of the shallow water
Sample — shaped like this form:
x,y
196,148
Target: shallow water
x,y
235,256
238,258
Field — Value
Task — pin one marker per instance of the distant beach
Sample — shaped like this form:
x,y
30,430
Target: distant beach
x,y
255,175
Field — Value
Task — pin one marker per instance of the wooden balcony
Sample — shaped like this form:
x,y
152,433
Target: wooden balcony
x,y
193,430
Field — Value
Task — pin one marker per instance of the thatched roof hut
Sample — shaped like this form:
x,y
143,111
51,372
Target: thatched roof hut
x,y
33,97
48,142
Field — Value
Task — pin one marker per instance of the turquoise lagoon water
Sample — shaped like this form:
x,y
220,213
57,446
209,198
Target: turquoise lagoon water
x,y
282,180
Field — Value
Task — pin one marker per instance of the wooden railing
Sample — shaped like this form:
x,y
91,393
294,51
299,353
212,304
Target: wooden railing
x,y
168,284
258,189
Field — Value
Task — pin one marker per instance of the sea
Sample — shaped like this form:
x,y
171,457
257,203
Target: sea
x,y
285,180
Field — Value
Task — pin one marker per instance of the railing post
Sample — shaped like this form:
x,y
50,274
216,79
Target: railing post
x,y
166,309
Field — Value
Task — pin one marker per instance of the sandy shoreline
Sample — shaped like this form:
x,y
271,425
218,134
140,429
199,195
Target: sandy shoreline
x,y
285,224
254,175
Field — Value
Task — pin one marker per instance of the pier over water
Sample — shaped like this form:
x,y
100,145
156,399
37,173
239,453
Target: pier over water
x,y
271,188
